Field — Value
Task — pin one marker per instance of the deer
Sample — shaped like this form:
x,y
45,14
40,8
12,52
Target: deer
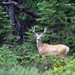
x,y
44,49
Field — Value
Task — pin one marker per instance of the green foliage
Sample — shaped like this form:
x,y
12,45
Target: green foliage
x,y
26,48
68,69
59,17
31,4
21,60
7,58
27,53
4,25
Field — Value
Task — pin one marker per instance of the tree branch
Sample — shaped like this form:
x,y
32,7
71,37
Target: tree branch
x,y
22,8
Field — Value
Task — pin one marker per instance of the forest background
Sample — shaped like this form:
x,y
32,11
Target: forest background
x,y
23,58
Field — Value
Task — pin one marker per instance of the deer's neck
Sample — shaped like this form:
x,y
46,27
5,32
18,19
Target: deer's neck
x,y
39,43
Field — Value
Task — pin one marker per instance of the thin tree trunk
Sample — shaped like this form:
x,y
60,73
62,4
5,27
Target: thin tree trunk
x,y
11,15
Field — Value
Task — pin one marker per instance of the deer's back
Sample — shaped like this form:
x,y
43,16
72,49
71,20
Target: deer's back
x,y
46,49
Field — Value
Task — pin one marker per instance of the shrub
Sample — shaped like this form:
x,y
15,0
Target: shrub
x,y
7,58
68,69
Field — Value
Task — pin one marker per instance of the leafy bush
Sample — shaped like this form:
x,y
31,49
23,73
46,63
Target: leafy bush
x,y
27,49
68,69
7,58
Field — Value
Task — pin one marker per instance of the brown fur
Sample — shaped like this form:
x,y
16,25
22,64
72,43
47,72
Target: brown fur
x,y
59,50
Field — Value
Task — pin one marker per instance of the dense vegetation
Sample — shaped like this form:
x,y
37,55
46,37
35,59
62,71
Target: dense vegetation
x,y
59,17
4,25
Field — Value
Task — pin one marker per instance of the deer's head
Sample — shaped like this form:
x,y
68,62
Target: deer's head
x,y
39,36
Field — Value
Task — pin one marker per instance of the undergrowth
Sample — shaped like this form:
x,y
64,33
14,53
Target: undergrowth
x,y
14,62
